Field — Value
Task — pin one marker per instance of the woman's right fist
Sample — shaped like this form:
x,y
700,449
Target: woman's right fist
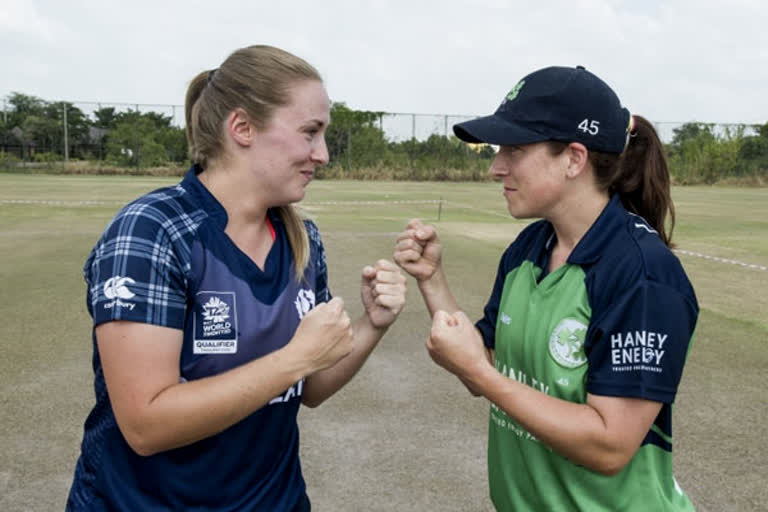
x,y
418,250
324,335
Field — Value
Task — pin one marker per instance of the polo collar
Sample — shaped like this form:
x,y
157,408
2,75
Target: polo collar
x,y
216,212
592,245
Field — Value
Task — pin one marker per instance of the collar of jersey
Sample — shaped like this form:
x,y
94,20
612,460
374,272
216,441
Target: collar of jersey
x,y
210,204
592,245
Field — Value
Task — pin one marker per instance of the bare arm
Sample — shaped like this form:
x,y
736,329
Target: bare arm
x,y
382,291
418,252
602,434
322,385
156,412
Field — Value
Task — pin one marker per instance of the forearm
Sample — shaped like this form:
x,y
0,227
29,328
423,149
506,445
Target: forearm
x,y
437,294
191,411
323,384
576,431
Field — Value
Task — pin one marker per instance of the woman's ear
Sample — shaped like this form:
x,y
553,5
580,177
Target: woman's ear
x,y
240,128
578,157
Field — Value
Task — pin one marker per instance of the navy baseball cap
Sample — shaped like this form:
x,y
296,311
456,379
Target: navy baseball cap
x,y
555,103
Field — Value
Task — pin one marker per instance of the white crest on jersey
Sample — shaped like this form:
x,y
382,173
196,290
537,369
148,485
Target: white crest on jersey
x,y
305,300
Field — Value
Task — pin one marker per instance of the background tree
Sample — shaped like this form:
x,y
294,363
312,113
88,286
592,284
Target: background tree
x,y
135,141
354,137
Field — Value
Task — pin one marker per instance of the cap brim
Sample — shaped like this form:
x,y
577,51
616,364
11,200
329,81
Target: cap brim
x,y
495,130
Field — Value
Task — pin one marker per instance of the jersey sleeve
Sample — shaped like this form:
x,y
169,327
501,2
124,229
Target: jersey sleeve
x,y
134,273
487,324
642,342
317,255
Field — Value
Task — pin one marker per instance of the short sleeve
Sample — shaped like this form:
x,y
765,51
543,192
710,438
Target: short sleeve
x,y
641,343
487,324
317,255
134,273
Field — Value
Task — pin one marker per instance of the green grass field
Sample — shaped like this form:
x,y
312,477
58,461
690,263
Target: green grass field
x,y
403,435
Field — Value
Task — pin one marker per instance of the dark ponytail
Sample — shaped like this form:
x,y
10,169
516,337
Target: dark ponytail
x,y
640,176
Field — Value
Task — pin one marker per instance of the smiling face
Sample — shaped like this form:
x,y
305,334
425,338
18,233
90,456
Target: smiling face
x,y
288,150
534,179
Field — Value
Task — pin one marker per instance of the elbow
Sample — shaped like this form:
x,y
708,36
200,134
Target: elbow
x,y
610,469
312,401
610,464
139,441
140,445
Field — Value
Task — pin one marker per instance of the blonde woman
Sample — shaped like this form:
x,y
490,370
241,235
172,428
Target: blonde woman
x,y
212,316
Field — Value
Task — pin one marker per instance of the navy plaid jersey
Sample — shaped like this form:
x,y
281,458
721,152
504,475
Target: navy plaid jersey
x,y
165,260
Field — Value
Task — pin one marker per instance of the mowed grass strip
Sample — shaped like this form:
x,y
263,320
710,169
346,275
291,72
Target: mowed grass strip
x,y
414,415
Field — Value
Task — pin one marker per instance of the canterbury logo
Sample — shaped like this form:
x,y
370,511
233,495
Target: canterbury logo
x,y
116,288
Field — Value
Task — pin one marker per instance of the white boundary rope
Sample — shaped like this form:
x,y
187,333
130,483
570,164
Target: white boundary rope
x,y
722,260
352,203
59,203
752,266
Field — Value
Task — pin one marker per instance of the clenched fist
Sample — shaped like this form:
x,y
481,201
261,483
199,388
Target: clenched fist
x,y
324,335
382,291
418,250
455,344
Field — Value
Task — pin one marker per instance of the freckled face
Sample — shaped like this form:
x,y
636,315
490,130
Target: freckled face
x,y
533,179
291,147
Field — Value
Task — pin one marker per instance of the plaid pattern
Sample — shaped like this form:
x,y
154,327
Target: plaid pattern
x,y
139,268
317,258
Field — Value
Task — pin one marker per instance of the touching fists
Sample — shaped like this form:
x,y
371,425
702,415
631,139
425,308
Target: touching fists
x,y
324,335
418,250
382,290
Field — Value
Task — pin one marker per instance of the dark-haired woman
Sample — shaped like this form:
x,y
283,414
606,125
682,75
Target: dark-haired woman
x,y
582,344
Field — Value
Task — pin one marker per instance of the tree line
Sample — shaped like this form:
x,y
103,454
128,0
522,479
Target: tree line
x,y
33,133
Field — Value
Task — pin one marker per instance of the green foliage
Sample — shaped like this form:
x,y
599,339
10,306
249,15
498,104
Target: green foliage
x,y
692,131
698,154
8,160
45,158
105,117
23,106
135,142
358,148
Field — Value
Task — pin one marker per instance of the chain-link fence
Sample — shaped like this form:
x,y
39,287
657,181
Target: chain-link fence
x,y
35,133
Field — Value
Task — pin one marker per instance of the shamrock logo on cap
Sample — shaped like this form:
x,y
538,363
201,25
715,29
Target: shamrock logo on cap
x,y
511,95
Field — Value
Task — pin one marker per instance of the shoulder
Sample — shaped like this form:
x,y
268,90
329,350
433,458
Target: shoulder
x,y
315,240
159,224
166,213
636,255
651,256
313,233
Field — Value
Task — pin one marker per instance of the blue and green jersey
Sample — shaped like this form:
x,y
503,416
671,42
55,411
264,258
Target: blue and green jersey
x,y
616,319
